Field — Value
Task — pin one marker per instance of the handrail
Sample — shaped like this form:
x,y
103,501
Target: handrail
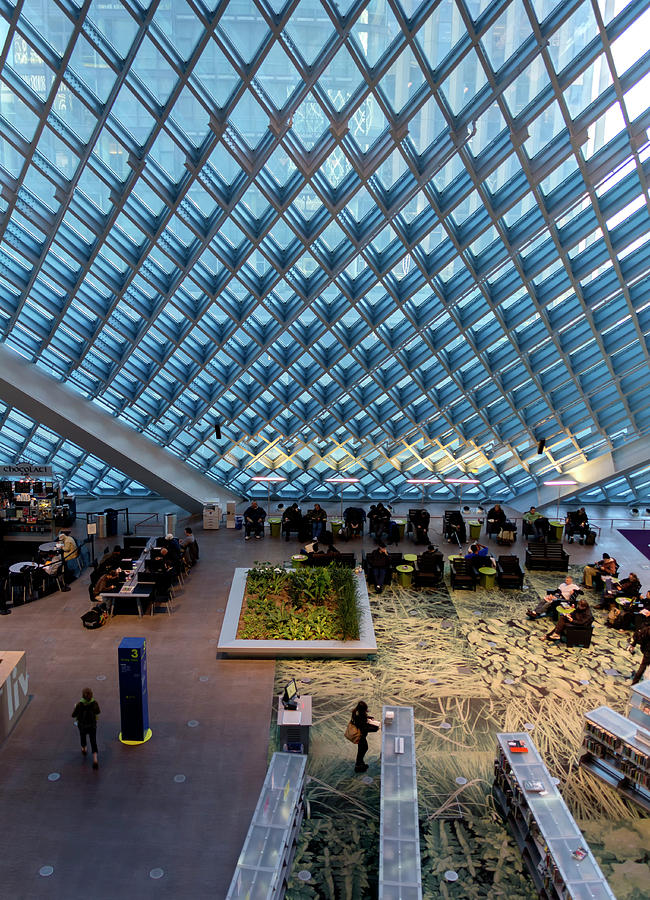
x,y
148,516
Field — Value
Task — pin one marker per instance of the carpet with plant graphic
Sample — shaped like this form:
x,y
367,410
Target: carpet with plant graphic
x,y
471,665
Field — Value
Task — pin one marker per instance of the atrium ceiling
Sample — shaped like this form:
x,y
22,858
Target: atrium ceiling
x,y
377,240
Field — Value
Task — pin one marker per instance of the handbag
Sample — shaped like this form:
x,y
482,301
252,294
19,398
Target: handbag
x,y
352,733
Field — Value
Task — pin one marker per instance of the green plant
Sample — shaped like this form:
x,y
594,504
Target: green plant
x,y
344,587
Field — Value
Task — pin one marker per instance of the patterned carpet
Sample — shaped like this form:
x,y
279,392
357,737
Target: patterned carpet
x,y
470,664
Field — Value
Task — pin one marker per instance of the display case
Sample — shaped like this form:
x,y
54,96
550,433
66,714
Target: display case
x,y
264,862
618,751
639,709
399,830
552,846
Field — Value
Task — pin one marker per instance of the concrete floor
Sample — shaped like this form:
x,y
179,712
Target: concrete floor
x,y
104,832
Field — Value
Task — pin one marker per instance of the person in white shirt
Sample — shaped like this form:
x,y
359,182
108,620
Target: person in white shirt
x,y
565,592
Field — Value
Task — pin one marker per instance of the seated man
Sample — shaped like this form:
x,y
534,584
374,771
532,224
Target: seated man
x,y
563,594
628,587
189,547
354,518
164,563
173,547
582,615
381,522
318,520
106,584
537,523
378,562
496,519
456,530
478,555
605,567
254,521
291,520
420,522
431,560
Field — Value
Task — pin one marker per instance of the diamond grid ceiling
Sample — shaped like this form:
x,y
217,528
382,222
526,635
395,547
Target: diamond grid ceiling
x,y
384,239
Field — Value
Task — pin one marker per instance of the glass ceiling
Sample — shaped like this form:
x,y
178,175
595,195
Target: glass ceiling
x,y
380,239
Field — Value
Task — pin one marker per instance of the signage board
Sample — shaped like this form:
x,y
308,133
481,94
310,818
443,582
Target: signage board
x,y
134,702
25,470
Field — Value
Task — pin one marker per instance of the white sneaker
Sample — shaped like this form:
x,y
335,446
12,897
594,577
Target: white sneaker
x,y
247,538
258,537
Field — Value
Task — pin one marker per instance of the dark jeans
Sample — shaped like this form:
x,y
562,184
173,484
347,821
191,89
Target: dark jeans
x,y
379,576
645,662
316,529
89,733
257,527
362,749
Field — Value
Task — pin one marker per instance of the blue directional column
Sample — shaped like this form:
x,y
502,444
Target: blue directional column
x,y
134,708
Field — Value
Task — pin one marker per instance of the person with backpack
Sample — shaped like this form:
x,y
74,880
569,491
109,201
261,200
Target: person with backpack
x,y
641,638
85,713
364,723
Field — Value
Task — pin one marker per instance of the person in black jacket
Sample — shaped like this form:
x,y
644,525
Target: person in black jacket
x,y
420,522
291,520
318,520
582,615
496,518
641,638
379,566
86,712
254,521
365,724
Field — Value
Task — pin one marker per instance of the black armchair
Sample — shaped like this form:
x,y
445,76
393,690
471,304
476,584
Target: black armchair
x,y
463,575
509,572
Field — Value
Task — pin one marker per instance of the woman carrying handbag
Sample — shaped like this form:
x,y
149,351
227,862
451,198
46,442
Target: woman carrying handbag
x,y
362,724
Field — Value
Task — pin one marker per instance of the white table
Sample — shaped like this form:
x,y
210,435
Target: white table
x,y
15,569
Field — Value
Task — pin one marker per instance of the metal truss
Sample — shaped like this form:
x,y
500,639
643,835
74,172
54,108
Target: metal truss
x,y
383,238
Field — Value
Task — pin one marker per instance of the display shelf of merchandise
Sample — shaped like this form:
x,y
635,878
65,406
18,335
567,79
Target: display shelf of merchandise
x,y
399,830
639,710
542,825
265,859
618,751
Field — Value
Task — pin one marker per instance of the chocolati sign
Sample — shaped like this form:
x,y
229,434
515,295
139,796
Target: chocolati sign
x,y
26,470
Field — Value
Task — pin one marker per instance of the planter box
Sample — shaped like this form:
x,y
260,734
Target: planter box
x,y
229,645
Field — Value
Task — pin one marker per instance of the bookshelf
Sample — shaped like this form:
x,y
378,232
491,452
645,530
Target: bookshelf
x,y
639,709
617,750
543,827
264,862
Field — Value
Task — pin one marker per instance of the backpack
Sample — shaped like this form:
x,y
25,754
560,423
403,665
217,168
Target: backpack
x,y
95,617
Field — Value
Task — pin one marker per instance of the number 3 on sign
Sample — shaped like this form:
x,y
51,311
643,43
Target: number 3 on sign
x,y
134,653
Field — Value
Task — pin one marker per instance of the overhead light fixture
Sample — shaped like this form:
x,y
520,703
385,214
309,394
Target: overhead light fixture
x,y
462,480
559,483
341,480
267,478
422,480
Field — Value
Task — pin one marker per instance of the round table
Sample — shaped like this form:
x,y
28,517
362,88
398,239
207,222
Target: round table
x,y
474,530
410,558
299,559
275,526
565,609
555,534
405,575
50,547
15,569
487,576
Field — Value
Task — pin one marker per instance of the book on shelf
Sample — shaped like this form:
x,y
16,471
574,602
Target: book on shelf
x,y
536,787
517,746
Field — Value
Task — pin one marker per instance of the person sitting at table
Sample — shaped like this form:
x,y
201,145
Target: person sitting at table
x,y
70,551
606,567
496,519
564,593
189,547
478,555
106,584
537,522
291,520
173,547
629,587
254,521
163,563
318,520
582,615
378,564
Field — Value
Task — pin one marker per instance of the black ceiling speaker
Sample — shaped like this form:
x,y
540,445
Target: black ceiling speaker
x,y
541,445
217,431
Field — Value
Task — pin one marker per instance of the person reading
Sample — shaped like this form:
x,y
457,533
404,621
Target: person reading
x,y
582,615
564,594
606,567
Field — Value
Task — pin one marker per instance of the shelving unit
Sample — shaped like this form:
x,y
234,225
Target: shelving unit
x,y
543,827
265,859
400,875
639,710
618,751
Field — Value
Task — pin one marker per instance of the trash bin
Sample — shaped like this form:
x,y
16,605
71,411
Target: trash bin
x,y
474,531
401,524
239,521
555,532
111,522
336,527
405,575
170,523
298,560
275,525
487,577
101,525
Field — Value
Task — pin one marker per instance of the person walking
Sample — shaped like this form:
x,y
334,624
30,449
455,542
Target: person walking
x,y
641,638
365,724
85,713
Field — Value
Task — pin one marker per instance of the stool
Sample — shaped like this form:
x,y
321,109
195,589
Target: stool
x,y
410,559
487,577
405,575
298,560
474,530
274,526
